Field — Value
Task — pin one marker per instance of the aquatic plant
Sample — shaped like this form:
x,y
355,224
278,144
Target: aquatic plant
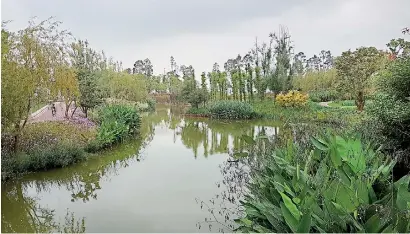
x,y
342,185
231,110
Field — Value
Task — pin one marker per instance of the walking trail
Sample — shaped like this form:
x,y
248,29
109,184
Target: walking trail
x,y
44,114
326,104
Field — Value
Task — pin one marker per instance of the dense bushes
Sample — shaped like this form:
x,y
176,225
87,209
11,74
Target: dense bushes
x,y
343,185
148,105
321,85
38,135
348,103
40,159
231,110
314,81
116,123
394,116
161,97
121,85
151,104
198,111
323,96
312,113
291,99
54,144
193,94
391,108
44,146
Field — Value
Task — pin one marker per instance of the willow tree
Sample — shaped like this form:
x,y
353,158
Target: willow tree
x,y
32,55
66,84
127,87
65,77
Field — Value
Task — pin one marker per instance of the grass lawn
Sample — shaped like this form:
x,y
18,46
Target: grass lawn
x,y
347,104
339,105
37,106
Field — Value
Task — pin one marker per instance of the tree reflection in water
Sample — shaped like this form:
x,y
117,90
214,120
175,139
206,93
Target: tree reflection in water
x,y
25,215
22,213
85,180
225,206
216,137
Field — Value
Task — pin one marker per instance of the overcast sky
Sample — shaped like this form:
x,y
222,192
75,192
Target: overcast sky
x,y
201,32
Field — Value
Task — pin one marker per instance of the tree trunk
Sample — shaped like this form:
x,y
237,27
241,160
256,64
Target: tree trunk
x,y
360,101
16,141
67,108
16,137
72,114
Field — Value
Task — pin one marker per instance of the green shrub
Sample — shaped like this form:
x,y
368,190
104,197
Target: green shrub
x,y
348,103
192,94
393,116
111,131
117,122
231,110
391,110
198,111
342,185
41,159
122,114
311,113
151,104
323,96
45,134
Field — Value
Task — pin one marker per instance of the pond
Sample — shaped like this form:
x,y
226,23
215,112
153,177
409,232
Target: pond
x,y
176,178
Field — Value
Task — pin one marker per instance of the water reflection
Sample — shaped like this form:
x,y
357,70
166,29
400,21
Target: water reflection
x,y
224,207
22,213
216,137
159,170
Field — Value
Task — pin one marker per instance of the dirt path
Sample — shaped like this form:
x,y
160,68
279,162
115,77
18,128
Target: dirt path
x,y
326,104
44,114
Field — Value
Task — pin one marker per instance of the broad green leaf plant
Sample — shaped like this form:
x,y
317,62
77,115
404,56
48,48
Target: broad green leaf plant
x,y
343,185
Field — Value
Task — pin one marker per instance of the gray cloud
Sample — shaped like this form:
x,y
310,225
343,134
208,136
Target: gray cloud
x,y
203,32
144,20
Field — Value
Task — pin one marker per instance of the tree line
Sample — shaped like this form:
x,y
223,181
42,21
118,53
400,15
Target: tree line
x,y
43,62
274,67
46,62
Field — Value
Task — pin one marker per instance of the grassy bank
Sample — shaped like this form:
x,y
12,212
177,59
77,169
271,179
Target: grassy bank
x,y
48,145
310,113
37,106
225,110
44,146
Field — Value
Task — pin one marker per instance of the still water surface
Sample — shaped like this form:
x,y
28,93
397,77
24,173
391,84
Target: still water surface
x,y
168,181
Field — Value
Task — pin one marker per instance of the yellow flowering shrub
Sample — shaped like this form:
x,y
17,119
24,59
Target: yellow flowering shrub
x,y
293,98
